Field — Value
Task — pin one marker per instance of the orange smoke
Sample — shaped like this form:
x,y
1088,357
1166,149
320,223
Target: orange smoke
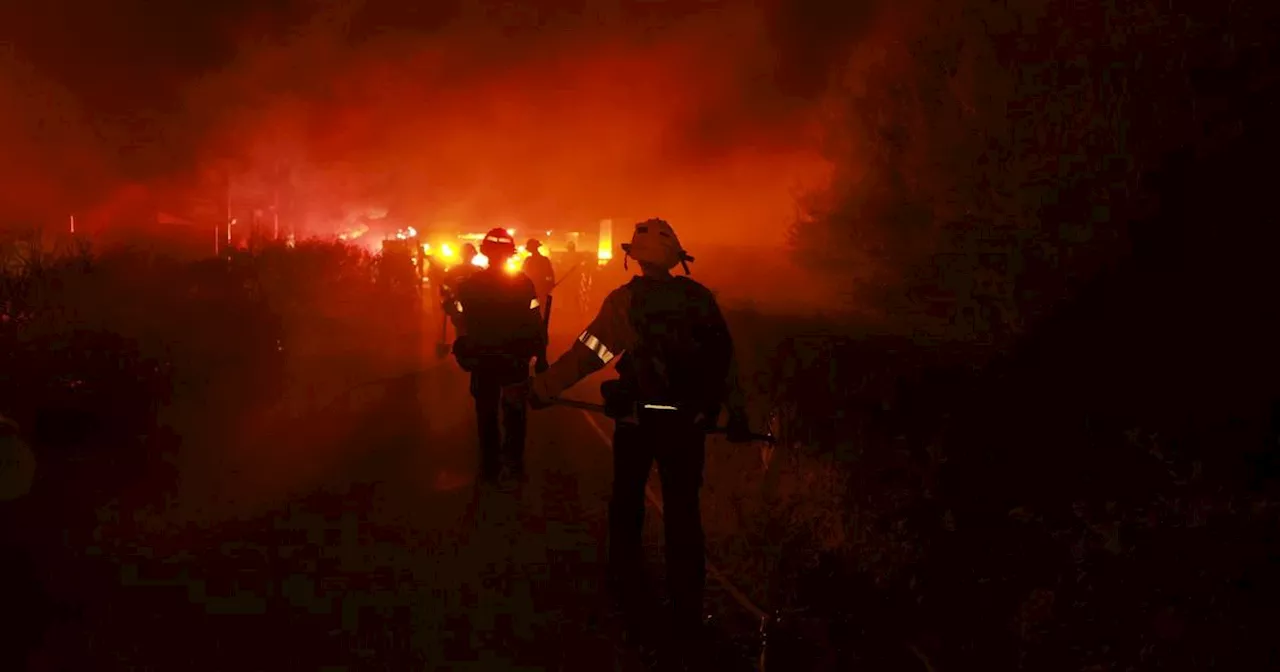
x,y
51,156
565,127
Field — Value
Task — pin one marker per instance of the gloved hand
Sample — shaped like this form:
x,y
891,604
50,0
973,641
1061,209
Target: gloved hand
x,y
738,430
537,400
516,395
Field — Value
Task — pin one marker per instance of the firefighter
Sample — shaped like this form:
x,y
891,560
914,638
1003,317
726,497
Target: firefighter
x,y
538,268
674,357
450,279
397,268
497,317
453,277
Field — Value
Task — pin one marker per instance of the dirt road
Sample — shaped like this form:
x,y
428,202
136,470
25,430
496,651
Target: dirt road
x,y
363,545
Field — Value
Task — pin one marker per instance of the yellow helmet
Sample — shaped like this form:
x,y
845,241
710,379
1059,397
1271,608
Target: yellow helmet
x,y
655,242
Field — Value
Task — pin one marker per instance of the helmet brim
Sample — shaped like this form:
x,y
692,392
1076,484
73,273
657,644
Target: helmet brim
x,y
684,256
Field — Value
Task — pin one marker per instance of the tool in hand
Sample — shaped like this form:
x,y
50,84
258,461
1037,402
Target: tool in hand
x,y
599,408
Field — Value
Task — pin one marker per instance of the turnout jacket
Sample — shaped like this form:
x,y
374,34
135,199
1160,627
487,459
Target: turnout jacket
x,y
670,342
498,320
538,268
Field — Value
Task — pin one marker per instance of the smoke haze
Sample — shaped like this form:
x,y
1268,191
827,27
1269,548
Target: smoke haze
x,y
706,113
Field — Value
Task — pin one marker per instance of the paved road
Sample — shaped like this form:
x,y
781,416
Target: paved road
x,y
357,543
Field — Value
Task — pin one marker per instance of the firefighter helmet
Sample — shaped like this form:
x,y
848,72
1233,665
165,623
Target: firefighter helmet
x,y
497,244
532,244
468,252
655,242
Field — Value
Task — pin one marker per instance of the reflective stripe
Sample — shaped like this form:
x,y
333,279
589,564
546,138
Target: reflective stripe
x,y
534,304
596,346
457,305
660,407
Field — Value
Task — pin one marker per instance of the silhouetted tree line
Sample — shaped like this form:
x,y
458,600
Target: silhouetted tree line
x,y
1095,488
94,346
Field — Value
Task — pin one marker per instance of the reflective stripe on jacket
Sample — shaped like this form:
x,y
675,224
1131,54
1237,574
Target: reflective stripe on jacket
x,y
608,336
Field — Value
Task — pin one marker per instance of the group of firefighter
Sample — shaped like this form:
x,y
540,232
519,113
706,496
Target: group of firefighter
x,y
674,357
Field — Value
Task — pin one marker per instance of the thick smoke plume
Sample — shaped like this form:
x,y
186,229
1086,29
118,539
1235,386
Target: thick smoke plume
x,y
558,118
51,159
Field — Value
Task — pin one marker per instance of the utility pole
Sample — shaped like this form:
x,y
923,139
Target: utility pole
x,y
229,220
275,204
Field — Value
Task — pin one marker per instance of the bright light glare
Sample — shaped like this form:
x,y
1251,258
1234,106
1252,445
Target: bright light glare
x,y
480,260
604,251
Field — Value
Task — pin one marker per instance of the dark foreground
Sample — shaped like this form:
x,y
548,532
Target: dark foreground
x,y
369,549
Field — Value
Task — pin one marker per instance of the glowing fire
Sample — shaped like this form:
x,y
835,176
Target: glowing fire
x,y
604,251
513,265
354,233
447,253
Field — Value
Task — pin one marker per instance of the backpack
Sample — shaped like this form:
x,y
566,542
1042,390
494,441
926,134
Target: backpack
x,y
683,349
501,334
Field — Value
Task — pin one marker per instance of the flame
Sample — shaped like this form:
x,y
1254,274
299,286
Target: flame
x,y
352,234
513,264
447,251
604,251
516,263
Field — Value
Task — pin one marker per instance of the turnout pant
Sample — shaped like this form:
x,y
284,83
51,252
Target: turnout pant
x,y
501,425
546,332
680,452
